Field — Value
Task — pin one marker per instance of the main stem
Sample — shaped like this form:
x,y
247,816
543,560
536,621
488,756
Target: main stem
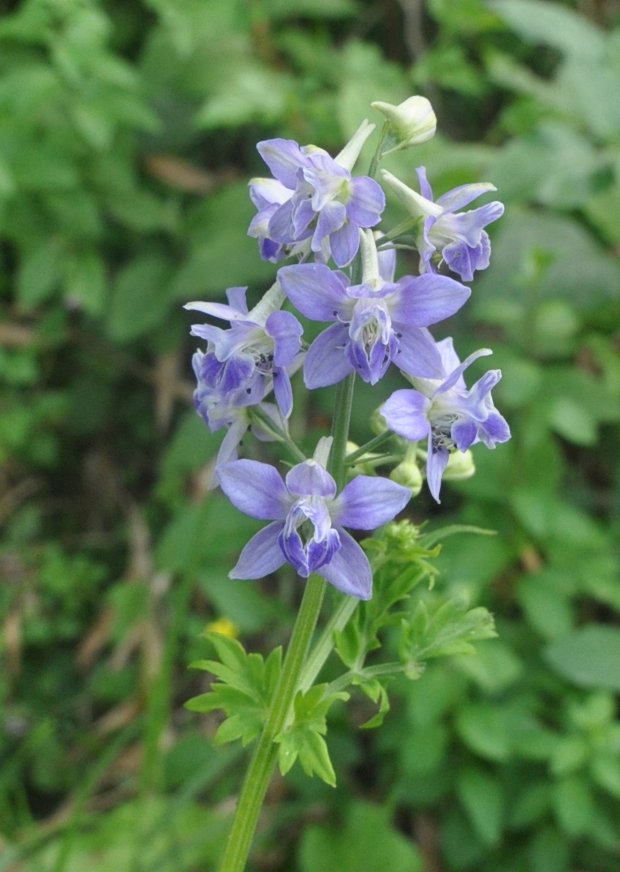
x,y
263,760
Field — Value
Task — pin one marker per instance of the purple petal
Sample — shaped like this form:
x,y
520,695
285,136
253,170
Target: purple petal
x,y
280,227
302,216
368,502
387,263
367,202
262,555
436,462
267,192
326,362
331,218
283,391
465,260
315,290
310,478
425,188
464,433
456,375
345,243
427,299
255,488
283,157
417,353
455,199
405,413
449,357
285,330
494,429
349,570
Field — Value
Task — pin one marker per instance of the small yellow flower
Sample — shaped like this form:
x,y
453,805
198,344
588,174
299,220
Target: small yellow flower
x,y
224,626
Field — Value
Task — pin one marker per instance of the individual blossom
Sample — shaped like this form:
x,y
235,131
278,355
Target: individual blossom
x,y
308,520
376,322
443,233
313,204
412,122
445,413
231,409
256,352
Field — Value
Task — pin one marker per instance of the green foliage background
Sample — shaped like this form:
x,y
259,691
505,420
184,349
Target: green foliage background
x,y
127,133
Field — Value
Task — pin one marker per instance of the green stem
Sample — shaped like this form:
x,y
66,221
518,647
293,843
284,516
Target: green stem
x,y
265,755
374,163
325,644
369,446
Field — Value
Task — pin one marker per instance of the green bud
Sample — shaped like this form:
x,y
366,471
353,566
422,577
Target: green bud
x,y
460,466
377,422
408,474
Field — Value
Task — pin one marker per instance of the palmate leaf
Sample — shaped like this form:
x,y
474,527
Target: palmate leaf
x,y
303,739
244,690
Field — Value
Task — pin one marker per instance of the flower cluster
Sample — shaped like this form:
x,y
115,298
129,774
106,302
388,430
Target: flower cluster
x,y
313,209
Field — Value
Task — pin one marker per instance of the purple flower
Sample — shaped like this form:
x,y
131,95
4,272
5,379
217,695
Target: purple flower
x,y
308,520
313,203
458,236
446,413
230,409
257,352
377,322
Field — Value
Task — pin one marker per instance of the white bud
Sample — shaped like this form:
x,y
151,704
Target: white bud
x,y
410,123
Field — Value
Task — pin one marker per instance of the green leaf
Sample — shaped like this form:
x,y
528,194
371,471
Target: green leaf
x,y
244,691
484,729
303,739
140,297
552,24
588,657
483,800
251,93
276,9
85,281
365,842
574,805
39,273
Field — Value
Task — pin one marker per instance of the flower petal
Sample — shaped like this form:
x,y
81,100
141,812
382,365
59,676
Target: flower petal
x,y
261,555
436,462
283,157
285,330
463,195
405,412
255,488
367,202
427,299
417,353
326,362
345,243
308,478
349,570
368,502
315,290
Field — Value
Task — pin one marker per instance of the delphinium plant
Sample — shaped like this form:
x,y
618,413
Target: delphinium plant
x,y
316,214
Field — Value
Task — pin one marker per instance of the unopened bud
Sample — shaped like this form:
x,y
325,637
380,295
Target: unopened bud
x,y
377,422
408,474
460,466
410,123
